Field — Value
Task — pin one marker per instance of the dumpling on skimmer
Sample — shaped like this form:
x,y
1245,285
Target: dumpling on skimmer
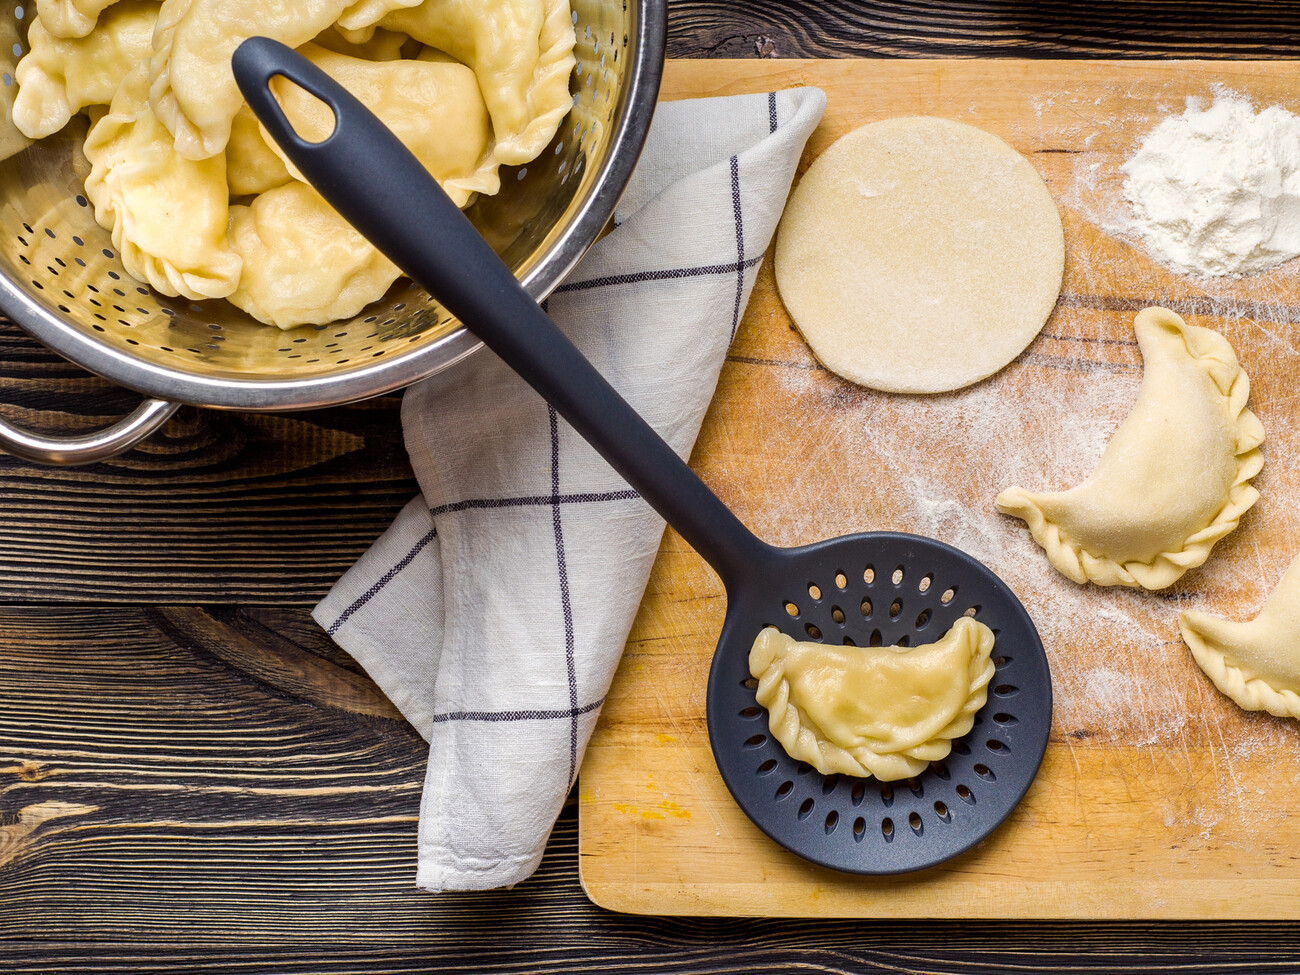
x,y
434,108
167,215
1174,479
521,51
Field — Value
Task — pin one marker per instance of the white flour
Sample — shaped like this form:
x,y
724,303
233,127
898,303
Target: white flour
x,y
1216,192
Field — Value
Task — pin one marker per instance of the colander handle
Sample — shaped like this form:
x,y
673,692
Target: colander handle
x,y
87,448
382,189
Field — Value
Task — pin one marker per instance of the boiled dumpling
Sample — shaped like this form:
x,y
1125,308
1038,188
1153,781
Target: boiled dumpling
x,y
1256,663
879,711
193,89
520,50
58,77
435,109
167,214
380,45
302,261
1174,479
71,18
252,166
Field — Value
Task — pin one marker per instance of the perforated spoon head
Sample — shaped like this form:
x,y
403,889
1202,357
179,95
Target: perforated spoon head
x,y
875,589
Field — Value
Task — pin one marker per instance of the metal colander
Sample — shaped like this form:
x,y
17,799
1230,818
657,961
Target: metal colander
x,y
62,281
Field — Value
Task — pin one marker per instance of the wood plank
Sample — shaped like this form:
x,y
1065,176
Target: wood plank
x,y
988,28
1158,797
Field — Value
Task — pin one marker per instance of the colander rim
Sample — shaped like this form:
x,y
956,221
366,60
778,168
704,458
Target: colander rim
x,y
641,88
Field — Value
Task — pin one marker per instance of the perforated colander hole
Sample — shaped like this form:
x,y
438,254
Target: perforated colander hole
x,y
866,609
813,631
754,741
887,829
841,580
923,619
948,596
837,615
832,820
814,591
751,712
897,577
895,608
767,766
784,789
984,772
869,575
806,808
965,795
942,812
859,829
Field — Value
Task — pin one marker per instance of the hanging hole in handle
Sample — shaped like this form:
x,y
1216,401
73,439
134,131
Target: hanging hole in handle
x,y
312,119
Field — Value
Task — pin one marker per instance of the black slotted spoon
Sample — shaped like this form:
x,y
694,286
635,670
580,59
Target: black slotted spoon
x,y
865,589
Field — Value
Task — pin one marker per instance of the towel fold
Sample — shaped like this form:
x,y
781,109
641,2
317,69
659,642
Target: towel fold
x,y
494,611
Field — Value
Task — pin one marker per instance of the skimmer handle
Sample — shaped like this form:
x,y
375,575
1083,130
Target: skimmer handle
x,y
382,189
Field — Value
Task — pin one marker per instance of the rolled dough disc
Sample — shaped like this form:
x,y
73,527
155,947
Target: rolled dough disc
x,y
919,255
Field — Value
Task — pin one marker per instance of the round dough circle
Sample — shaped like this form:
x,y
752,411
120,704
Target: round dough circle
x,y
919,255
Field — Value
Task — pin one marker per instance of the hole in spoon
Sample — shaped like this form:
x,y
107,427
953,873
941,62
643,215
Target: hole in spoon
x,y
814,590
791,608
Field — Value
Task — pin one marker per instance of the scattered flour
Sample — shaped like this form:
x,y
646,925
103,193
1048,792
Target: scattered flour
x,y
1216,192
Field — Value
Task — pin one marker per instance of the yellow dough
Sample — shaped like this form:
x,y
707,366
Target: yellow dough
x,y
71,18
59,77
1257,663
167,215
885,712
919,255
1174,479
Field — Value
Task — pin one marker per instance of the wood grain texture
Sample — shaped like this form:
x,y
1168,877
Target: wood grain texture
x,y
974,28
1158,798
164,809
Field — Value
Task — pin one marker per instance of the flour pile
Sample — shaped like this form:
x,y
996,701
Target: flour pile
x,y
1216,192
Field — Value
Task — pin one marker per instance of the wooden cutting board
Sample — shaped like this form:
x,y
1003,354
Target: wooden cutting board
x,y
1158,798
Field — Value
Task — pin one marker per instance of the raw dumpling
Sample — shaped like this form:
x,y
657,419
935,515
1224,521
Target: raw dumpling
x,y
1257,664
71,18
192,88
252,166
435,109
302,261
59,77
872,711
167,214
520,50
1174,479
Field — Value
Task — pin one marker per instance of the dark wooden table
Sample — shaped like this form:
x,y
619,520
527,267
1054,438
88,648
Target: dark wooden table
x,y
193,777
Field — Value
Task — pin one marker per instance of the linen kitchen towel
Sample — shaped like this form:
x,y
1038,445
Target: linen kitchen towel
x,y
494,611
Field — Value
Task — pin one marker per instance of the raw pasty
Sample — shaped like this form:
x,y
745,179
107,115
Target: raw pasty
x,y
192,87
434,108
520,50
1174,479
167,215
71,18
252,166
302,261
1257,664
59,77
872,711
